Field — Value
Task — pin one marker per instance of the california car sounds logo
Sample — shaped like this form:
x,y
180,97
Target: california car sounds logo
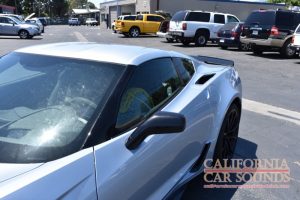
x,y
248,173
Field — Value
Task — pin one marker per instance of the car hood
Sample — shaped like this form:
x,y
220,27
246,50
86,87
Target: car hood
x,y
8,171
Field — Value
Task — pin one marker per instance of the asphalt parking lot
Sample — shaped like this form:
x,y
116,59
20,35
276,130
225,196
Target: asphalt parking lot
x,y
271,111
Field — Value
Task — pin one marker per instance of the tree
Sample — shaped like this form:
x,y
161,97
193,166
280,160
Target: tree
x,y
287,2
91,5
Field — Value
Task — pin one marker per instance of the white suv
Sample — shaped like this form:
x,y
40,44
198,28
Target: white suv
x,y
296,40
198,26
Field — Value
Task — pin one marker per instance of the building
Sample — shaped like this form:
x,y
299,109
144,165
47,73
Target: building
x,y
83,14
111,9
7,9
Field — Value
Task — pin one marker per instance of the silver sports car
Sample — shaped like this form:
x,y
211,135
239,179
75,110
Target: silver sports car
x,y
94,121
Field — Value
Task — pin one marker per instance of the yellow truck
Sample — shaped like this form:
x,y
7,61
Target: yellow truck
x,y
144,23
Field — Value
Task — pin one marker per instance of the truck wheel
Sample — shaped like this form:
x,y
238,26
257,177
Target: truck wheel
x,y
23,34
134,32
201,40
286,51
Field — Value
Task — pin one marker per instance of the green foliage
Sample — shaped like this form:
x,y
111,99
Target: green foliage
x,y
287,2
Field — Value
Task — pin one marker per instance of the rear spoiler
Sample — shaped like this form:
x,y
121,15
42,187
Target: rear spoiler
x,y
214,61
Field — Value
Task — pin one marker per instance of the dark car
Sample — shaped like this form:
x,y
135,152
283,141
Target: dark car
x,y
271,30
229,35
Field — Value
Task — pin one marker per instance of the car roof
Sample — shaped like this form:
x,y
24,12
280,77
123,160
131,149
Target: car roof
x,y
112,53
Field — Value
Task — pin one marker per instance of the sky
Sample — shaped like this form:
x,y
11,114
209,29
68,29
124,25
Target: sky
x,y
97,2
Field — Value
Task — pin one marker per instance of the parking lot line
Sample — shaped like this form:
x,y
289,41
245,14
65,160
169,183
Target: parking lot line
x,y
271,111
80,37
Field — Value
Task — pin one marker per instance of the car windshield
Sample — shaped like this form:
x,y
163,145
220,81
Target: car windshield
x,y
48,104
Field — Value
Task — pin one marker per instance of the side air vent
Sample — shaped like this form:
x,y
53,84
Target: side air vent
x,y
199,162
204,79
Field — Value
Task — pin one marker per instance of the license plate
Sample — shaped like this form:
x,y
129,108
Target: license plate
x,y
222,40
177,33
254,32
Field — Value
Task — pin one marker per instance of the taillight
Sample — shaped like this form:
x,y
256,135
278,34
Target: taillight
x,y
234,34
122,24
293,39
184,26
274,30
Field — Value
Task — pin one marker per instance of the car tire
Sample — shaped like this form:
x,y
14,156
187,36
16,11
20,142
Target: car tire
x,y
201,40
23,34
257,50
228,135
224,47
286,51
134,32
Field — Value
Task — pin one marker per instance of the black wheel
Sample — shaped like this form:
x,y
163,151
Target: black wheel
x,y
23,34
228,135
257,50
286,51
224,47
185,42
170,40
201,39
134,32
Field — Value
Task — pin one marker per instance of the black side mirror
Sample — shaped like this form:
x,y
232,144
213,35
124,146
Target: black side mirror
x,y
160,123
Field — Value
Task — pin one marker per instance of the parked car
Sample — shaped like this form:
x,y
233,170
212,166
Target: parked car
x,y
130,123
271,30
13,27
144,23
296,40
37,22
91,22
74,22
122,17
229,36
198,26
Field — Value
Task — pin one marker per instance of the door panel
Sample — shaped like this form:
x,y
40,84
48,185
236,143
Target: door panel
x,y
152,169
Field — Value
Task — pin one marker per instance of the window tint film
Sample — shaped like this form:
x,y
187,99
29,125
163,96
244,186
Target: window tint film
x,y
198,16
232,19
285,19
149,87
185,68
261,18
47,103
220,19
179,16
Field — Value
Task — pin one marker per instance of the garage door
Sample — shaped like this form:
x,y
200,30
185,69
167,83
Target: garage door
x,y
112,14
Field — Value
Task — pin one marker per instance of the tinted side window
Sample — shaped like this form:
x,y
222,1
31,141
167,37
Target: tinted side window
x,y
285,19
232,19
154,18
2,20
220,19
130,18
150,86
185,68
198,16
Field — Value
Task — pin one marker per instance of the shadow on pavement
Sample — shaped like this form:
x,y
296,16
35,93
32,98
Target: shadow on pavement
x,y
195,189
273,55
